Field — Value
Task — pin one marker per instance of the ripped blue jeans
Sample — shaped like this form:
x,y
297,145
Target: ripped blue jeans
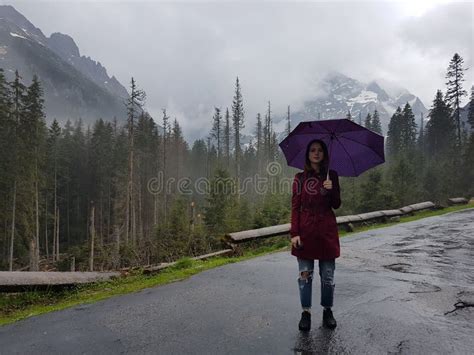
x,y
326,274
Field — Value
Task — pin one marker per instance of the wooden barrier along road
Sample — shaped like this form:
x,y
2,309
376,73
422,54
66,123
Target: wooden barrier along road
x,y
343,221
16,281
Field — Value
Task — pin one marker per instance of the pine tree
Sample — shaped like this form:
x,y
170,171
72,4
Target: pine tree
x,y
273,145
259,144
455,92
179,146
408,129
227,137
53,155
238,123
217,132
73,211
349,116
267,134
33,132
249,159
18,93
101,168
440,130
394,140
421,138
403,178
135,105
165,161
368,121
376,125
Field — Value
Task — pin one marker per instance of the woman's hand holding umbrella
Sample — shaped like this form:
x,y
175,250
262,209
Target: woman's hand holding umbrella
x,y
327,184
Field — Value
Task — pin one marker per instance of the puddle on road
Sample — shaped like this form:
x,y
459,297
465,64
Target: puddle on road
x,y
410,251
423,287
401,244
399,267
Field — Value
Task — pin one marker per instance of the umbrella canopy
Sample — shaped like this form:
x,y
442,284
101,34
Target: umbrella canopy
x,y
352,148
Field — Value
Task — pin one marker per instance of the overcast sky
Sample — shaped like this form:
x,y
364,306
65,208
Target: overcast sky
x,y
186,56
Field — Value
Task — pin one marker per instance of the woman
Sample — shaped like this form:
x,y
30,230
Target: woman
x,y
314,233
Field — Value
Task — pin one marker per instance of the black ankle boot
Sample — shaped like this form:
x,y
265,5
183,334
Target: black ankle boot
x,y
328,319
305,321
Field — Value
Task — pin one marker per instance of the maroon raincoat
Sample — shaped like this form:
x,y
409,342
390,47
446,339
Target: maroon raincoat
x,y
312,217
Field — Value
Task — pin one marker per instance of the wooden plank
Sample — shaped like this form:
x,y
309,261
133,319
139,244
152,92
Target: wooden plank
x,y
217,253
243,236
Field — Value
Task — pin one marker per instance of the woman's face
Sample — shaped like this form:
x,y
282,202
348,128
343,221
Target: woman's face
x,y
316,153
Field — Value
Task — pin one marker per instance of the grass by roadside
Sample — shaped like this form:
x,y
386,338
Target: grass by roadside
x,y
18,306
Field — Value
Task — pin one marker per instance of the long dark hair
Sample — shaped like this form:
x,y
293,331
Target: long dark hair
x,y
323,166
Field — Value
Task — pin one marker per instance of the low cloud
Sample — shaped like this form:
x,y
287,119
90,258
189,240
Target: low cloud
x,y
187,56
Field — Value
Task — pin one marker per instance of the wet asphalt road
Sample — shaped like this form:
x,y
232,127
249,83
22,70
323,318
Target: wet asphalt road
x,y
396,291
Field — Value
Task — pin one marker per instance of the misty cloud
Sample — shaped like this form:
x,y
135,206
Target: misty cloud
x,y
187,56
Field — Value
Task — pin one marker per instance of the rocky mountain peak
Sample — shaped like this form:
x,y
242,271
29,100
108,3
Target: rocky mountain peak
x,y
74,86
64,45
9,14
381,94
344,94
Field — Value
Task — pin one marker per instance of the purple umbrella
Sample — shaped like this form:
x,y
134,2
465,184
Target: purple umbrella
x,y
352,148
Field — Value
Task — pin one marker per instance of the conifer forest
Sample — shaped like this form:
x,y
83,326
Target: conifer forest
x,y
133,192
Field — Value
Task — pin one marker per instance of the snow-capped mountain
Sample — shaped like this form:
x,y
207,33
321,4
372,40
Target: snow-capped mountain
x,y
343,94
74,86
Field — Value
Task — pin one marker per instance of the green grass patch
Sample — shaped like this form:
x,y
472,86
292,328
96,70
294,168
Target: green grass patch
x,y
18,306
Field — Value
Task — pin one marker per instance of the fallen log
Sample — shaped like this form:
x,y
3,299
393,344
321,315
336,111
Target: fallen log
x,y
154,269
457,201
18,281
244,236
